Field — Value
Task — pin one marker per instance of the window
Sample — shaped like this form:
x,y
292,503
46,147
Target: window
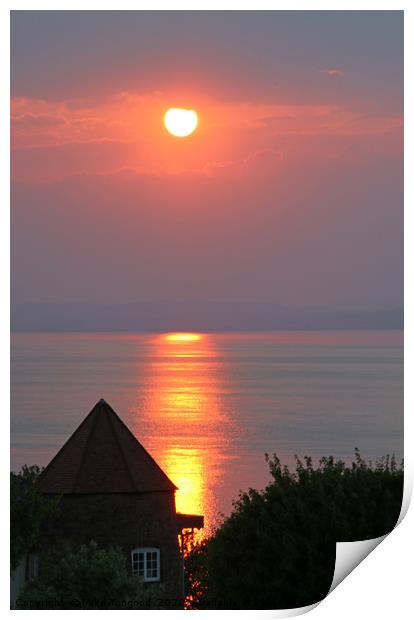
x,y
33,566
146,563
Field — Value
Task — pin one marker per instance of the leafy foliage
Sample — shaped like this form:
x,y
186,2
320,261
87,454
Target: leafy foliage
x,y
28,510
86,577
277,548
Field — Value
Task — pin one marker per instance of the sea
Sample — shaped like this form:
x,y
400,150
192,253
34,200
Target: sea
x,y
209,407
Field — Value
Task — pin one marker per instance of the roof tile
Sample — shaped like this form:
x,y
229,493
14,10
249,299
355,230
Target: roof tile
x,y
103,456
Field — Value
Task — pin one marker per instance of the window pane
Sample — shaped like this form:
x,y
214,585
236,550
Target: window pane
x,y
138,563
33,566
145,564
152,565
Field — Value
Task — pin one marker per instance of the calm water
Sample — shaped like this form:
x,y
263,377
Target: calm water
x,y
208,407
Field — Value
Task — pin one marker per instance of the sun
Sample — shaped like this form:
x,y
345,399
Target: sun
x,y
180,122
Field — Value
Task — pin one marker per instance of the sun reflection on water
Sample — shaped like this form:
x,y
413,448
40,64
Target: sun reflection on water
x,y
183,337
184,381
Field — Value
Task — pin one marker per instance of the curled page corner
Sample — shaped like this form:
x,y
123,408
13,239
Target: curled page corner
x,y
270,614
349,555
298,611
407,494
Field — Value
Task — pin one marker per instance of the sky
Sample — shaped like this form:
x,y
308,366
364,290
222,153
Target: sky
x,y
290,191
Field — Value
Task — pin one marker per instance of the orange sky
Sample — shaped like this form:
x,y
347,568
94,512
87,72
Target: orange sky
x,y
289,191
52,140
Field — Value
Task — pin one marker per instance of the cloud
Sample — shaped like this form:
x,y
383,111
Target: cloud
x,y
53,162
260,163
33,121
333,72
52,140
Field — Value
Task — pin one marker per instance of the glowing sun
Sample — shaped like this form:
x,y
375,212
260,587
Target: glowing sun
x,y
180,122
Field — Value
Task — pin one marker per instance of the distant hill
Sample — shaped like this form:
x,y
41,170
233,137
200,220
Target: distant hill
x,y
194,316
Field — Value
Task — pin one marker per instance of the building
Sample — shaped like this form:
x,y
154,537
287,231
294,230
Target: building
x,y
113,492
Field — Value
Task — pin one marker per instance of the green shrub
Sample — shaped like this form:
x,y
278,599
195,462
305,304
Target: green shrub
x,y
28,511
277,548
87,577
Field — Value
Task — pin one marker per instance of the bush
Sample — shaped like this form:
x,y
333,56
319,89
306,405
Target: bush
x,y
28,511
277,548
86,577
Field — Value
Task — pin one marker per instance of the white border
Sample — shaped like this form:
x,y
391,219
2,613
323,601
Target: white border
x,y
380,587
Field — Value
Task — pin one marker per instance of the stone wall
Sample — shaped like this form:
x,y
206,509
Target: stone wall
x,y
125,520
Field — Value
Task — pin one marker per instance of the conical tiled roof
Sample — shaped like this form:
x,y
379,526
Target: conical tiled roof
x,y
103,456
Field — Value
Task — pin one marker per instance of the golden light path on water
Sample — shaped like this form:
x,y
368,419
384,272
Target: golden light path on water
x,y
182,399
208,406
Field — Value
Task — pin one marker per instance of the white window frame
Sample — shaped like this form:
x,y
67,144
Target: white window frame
x,y
145,551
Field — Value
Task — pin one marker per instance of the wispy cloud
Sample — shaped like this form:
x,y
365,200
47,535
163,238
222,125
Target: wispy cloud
x,y
52,140
333,72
